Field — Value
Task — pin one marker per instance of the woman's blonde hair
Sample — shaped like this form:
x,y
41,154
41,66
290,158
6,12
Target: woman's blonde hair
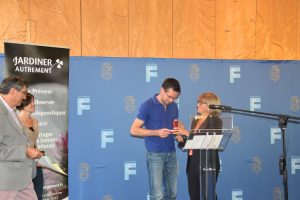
x,y
210,98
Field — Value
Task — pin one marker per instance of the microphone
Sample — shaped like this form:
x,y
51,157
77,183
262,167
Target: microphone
x,y
219,107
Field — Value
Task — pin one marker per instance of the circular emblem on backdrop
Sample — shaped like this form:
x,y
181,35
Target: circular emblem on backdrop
x,y
130,104
236,135
107,197
84,171
275,73
277,194
106,71
256,165
295,103
194,72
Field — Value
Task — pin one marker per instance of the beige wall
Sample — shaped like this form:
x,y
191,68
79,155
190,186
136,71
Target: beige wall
x,y
213,29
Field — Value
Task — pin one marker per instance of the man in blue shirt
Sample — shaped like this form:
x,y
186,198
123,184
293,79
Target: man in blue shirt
x,y
154,123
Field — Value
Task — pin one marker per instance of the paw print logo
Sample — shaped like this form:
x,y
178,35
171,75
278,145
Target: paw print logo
x,y
59,63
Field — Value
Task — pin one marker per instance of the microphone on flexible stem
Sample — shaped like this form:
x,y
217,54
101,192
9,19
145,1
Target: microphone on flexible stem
x,y
219,107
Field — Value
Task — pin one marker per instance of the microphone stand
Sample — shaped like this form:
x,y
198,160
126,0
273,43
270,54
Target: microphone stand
x,y
282,123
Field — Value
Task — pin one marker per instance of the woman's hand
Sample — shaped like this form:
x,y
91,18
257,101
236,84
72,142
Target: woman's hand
x,y
179,138
182,130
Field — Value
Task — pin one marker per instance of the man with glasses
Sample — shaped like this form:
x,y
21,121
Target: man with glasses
x,y
16,157
154,123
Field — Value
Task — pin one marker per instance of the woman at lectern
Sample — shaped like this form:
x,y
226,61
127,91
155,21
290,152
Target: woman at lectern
x,y
202,165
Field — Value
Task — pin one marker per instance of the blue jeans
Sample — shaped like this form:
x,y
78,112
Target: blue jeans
x,y
162,173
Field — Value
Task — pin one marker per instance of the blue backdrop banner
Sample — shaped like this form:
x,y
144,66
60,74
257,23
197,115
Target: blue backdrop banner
x,y
105,162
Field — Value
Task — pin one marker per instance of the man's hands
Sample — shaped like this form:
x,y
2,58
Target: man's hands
x,y
179,132
33,153
164,132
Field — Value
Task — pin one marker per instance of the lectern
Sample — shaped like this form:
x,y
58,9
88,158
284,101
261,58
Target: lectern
x,y
209,142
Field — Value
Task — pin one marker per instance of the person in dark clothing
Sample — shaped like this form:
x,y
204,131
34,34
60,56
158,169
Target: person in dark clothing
x,y
203,166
